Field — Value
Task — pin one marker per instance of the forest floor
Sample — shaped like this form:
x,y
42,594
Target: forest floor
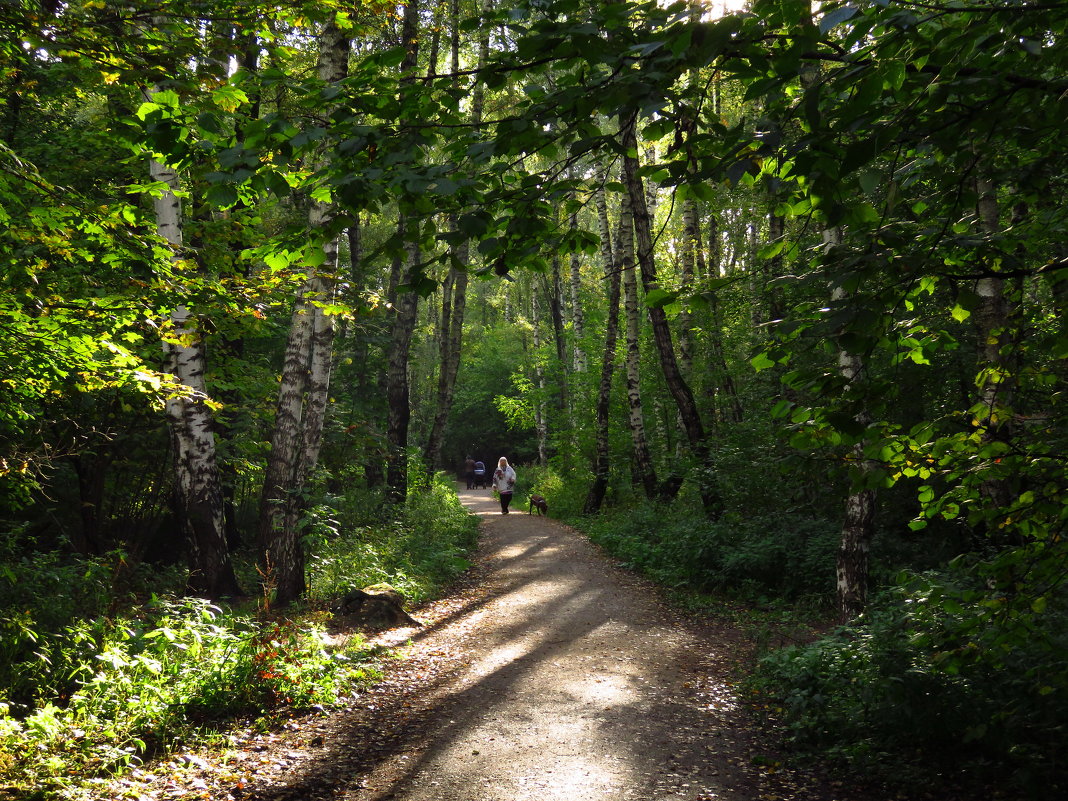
x,y
548,673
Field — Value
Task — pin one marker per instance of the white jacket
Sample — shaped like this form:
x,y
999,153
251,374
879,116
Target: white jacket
x,y
505,482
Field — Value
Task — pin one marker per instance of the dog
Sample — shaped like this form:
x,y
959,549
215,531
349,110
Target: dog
x,y
539,503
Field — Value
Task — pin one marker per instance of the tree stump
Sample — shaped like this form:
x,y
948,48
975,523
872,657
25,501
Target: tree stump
x,y
378,607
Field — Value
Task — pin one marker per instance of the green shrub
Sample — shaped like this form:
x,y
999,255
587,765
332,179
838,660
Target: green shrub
x,y
418,553
950,670
144,683
89,688
48,604
783,555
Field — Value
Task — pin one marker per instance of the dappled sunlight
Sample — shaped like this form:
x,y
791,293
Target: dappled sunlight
x,y
602,691
569,776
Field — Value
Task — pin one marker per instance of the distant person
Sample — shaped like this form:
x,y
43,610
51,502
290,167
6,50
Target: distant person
x,y
469,472
504,482
480,474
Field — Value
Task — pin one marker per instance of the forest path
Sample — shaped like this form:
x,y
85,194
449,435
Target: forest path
x,y
574,683
549,673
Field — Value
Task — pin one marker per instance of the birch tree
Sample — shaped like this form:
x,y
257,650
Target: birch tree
x,y
454,288
677,386
611,263
305,381
643,462
198,490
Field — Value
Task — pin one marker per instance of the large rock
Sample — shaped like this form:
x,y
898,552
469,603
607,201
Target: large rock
x,y
380,606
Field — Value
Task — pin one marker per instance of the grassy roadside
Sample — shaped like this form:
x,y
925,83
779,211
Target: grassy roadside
x,y
97,676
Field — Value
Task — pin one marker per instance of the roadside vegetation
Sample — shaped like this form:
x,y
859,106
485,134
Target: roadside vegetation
x,y
105,663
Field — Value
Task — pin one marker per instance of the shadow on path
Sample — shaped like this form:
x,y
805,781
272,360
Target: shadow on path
x,y
551,675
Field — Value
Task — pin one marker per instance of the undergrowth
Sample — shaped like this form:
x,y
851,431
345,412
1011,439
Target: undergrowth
x,y
97,672
946,675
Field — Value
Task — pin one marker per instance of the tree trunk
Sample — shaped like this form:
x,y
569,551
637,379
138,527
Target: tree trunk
x,y
541,428
454,294
556,294
858,527
601,461
198,490
643,462
691,246
405,309
996,381
450,333
723,386
578,321
677,386
302,394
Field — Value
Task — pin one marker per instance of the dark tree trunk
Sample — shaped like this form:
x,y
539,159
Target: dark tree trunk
x,y
601,461
676,384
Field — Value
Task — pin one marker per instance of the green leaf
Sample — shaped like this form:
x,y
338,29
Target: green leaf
x,y
869,182
659,298
222,195
657,130
392,57
145,109
761,361
836,17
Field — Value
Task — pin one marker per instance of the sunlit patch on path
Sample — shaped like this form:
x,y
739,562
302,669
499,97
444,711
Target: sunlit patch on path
x,y
575,684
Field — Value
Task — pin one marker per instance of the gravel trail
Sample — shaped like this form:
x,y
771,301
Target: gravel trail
x,y
548,673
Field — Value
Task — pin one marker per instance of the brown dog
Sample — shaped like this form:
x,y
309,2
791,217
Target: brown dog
x,y
539,503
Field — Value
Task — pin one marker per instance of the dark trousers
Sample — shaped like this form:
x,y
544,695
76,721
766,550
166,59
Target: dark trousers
x,y
470,479
506,498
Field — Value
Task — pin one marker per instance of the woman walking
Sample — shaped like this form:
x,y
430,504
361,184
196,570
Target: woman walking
x,y
504,483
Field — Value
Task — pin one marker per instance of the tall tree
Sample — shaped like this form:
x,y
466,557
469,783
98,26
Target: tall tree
x,y
198,490
612,272
454,289
643,462
304,388
677,386
404,301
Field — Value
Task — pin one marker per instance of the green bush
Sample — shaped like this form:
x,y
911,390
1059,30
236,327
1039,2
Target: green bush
x,y
93,681
50,603
147,682
950,670
783,555
418,553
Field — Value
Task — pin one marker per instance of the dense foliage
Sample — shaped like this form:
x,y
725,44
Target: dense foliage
x,y
104,667
777,297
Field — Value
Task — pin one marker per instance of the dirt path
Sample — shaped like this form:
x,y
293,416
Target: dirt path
x,y
550,674
575,684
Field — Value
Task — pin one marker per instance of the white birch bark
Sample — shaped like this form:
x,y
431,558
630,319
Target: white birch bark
x,y
198,489
578,319
632,315
540,426
304,388
601,463
858,525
